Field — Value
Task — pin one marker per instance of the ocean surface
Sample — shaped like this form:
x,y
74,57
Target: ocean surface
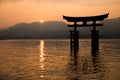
x,y
52,60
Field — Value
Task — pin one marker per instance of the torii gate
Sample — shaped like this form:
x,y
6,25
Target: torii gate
x,y
74,35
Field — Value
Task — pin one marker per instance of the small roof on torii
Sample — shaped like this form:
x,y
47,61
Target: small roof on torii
x,y
88,18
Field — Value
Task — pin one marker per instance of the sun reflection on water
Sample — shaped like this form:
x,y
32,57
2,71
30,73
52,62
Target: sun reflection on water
x,y
42,57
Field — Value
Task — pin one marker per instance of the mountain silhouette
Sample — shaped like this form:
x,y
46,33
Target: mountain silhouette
x,y
50,29
58,29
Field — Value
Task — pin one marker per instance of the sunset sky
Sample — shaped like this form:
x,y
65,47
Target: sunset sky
x,y
16,11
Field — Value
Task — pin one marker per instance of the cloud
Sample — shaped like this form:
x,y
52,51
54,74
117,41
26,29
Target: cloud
x,y
52,1
79,2
4,1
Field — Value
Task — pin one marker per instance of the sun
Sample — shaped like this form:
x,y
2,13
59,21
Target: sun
x,y
41,21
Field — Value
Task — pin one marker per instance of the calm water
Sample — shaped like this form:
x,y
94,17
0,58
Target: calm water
x,y
52,60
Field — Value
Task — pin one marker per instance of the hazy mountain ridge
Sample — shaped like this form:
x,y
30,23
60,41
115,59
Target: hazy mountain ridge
x,y
58,29
51,29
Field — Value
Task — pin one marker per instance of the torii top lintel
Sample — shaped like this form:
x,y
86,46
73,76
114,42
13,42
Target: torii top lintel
x,y
88,18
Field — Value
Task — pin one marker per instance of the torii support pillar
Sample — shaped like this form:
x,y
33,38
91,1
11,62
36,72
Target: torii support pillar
x,y
95,40
74,40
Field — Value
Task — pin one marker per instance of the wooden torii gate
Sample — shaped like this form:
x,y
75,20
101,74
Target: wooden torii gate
x,y
86,22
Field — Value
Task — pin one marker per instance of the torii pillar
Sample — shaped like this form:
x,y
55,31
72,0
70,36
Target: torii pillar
x,y
74,35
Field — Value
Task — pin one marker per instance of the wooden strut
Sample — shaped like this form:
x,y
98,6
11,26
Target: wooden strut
x,y
74,40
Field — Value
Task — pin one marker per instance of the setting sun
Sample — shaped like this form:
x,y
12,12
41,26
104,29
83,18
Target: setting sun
x,y
41,21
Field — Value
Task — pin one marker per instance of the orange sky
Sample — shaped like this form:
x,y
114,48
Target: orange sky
x,y
16,11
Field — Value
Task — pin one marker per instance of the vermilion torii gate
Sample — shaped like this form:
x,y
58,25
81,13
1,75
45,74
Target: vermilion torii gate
x,y
86,22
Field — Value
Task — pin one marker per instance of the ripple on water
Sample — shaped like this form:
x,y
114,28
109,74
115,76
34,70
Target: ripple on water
x,y
51,60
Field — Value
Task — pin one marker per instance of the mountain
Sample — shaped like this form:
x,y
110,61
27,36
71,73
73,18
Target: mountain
x,y
111,28
58,29
51,29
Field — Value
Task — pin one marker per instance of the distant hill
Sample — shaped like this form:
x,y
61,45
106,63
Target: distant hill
x,y
51,29
111,28
58,29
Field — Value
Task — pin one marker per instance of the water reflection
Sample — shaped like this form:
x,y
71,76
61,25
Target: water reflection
x,y
98,66
96,62
73,67
92,64
42,57
79,67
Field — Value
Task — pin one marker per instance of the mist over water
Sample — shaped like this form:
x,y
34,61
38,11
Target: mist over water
x,y
52,60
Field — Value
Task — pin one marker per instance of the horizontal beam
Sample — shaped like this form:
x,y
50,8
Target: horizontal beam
x,y
88,25
88,18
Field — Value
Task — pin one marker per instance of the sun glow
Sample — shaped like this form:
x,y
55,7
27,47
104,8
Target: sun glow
x,y
41,21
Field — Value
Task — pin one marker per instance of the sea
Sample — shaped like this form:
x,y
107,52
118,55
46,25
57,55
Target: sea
x,y
52,59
